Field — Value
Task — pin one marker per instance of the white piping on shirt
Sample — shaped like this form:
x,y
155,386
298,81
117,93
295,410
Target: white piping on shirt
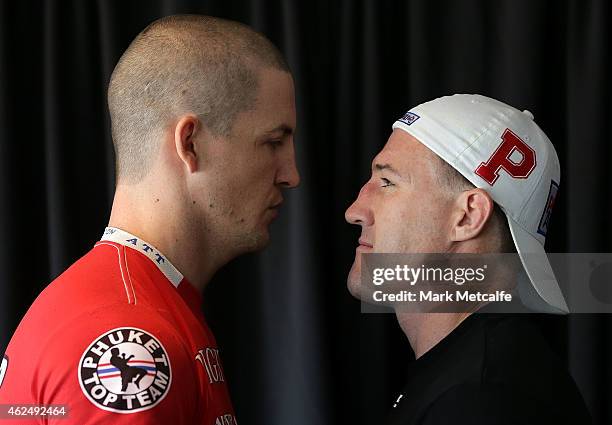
x,y
129,275
121,269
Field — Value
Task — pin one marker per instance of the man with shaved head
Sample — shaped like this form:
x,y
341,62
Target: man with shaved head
x,y
203,115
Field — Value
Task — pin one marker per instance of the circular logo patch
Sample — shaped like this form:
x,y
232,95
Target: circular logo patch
x,y
126,370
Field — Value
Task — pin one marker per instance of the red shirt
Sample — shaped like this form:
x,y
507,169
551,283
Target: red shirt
x,y
118,338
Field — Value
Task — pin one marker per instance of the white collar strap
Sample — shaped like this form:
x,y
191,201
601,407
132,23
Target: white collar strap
x,y
122,237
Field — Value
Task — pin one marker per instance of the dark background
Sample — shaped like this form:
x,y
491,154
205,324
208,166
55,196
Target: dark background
x,y
296,348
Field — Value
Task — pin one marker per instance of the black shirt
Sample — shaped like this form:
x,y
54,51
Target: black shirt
x,y
492,369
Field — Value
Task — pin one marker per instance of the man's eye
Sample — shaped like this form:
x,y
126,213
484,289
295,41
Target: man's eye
x,y
386,182
275,143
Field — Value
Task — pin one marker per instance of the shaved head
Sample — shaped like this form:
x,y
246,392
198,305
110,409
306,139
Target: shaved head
x,y
177,65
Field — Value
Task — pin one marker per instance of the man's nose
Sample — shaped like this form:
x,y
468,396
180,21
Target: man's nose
x,y
288,175
359,212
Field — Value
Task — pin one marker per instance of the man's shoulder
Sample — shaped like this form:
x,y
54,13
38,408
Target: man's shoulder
x,y
96,291
520,367
83,363
52,329
497,404
97,277
516,351
47,345
500,370
101,278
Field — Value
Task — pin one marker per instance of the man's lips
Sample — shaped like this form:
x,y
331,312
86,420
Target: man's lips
x,y
364,245
276,203
275,207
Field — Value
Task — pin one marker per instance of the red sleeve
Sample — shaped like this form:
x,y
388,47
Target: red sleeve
x,y
117,365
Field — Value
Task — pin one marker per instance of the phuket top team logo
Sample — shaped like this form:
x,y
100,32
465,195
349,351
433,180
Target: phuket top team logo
x,y
126,370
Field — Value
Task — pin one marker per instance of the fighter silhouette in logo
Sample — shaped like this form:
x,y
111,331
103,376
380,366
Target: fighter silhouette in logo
x,y
128,373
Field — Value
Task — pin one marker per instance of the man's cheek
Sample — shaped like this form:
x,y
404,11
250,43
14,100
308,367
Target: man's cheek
x,y
391,237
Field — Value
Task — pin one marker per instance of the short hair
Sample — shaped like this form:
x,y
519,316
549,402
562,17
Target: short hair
x,y
183,64
453,181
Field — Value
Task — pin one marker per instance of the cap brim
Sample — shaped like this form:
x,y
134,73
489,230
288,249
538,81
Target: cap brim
x,y
538,268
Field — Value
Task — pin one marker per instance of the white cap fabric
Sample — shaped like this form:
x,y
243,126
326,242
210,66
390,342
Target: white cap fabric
x,y
502,150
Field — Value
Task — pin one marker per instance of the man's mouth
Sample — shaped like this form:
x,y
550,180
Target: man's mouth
x,y
276,203
275,207
364,245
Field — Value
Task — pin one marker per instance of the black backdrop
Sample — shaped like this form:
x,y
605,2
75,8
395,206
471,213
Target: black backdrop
x,y
296,348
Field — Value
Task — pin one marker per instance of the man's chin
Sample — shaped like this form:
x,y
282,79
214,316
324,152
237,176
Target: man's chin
x,y
353,283
256,241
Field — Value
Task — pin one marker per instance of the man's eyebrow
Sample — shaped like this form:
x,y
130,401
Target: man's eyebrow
x,y
385,166
283,128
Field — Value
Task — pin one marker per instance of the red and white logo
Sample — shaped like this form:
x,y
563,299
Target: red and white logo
x,y
125,370
504,158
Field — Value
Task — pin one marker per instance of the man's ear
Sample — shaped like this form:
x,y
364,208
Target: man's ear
x,y
184,139
471,211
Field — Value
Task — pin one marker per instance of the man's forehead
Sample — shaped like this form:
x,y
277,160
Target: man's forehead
x,y
276,96
400,148
402,153
273,114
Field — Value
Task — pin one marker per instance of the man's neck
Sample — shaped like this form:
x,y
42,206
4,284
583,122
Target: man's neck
x,y
159,222
425,330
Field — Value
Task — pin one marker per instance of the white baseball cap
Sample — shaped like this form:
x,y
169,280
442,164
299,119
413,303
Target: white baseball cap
x,y
502,150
